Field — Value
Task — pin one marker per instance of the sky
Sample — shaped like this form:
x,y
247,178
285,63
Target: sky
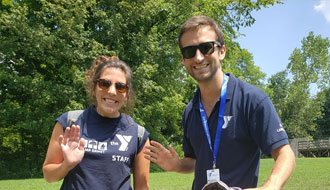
x,y
279,29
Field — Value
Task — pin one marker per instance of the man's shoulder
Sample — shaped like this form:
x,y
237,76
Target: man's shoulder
x,y
187,112
243,89
242,84
187,109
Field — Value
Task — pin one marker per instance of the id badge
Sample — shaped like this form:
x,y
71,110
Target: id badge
x,y
213,175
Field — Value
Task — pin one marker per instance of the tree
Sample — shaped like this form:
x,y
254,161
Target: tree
x,y
309,64
279,83
240,62
323,123
44,51
47,45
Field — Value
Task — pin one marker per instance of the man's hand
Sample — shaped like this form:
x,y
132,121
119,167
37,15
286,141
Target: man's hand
x,y
167,159
72,147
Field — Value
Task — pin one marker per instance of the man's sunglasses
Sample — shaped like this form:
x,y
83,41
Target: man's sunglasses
x,y
205,48
105,84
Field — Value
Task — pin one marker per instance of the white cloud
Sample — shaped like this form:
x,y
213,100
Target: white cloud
x,y
324,8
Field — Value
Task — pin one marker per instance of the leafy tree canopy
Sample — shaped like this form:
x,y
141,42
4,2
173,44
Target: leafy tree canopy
x,y
47,45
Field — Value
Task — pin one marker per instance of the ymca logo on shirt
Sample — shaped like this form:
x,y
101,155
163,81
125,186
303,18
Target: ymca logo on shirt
x,y
226,120
124,140
123,146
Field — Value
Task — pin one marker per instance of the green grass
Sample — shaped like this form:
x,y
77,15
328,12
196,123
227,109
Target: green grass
x,y
309,174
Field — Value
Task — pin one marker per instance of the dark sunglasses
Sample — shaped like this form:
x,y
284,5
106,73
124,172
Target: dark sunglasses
x,y
205,48
105,84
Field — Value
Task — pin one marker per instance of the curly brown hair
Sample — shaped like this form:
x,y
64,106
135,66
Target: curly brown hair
x,y
98,66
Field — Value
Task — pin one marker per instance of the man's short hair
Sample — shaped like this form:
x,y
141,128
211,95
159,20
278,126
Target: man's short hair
x,y
195,22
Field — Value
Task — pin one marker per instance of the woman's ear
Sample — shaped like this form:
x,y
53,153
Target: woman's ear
x,y
93,92
127,95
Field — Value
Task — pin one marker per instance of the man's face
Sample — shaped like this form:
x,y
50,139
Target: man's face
x,y
202,67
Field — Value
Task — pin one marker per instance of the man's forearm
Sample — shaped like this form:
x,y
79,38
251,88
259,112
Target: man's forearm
x,y
282,169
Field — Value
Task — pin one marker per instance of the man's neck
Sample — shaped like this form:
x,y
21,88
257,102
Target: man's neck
x,y
211,91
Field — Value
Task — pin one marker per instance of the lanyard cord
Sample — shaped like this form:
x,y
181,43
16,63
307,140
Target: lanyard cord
x,y
215,150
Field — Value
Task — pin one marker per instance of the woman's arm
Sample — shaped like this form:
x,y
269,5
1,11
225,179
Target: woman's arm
x,y
141,169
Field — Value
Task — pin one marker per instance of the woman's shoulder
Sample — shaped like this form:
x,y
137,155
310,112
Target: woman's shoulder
x,y
69,117
62,119
127,120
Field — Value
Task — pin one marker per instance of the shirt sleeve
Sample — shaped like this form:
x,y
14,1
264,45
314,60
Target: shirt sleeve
x,y
63,120
266,127
144,139
187,148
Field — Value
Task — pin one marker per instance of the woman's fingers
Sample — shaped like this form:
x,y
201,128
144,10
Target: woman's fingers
x,y
82,144
60,139
71,134
77,134
66,136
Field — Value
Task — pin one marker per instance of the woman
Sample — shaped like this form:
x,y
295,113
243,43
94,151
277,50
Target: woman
x,y
99,150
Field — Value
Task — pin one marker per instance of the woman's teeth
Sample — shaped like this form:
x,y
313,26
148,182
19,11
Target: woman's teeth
x,y
109,101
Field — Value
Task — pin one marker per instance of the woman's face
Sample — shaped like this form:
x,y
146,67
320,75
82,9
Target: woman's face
x,y
110,100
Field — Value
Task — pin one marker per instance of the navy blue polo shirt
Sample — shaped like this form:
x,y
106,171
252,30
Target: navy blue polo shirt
x,y
251,125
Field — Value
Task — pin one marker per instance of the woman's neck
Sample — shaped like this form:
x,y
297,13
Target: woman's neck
x,y
105,114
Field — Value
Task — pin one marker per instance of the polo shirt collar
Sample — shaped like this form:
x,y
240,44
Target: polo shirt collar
x,y
230,90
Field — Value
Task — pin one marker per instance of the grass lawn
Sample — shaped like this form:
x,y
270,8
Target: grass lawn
x,y
310,174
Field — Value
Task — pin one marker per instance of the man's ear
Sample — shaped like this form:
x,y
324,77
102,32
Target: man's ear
x,y
182,59
222,52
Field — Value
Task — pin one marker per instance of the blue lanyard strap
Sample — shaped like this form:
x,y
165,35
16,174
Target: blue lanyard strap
x,y
215,150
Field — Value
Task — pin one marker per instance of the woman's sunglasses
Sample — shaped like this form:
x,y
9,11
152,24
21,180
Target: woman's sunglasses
x,y
205,48
105,84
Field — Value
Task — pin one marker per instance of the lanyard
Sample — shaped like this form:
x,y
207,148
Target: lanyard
x,y
220,120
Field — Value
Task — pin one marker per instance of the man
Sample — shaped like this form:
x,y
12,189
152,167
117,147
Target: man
x,y
227,124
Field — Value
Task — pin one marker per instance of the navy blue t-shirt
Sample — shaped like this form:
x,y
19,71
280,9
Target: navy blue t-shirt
x,y
251,125
110,149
